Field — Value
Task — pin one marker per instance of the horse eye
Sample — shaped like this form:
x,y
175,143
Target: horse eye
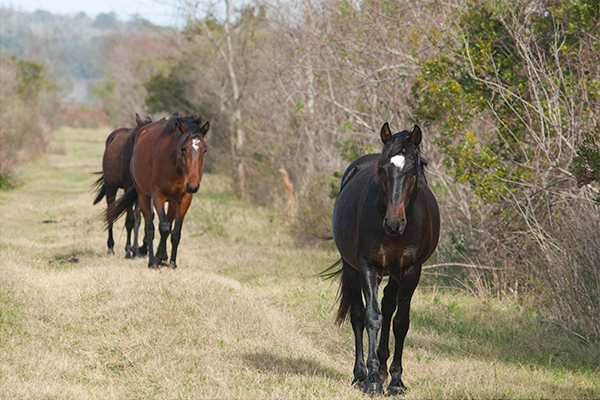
x,y
183,150
403,151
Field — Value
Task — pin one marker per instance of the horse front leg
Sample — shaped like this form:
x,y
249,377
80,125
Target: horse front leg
x,y
351,294
370,278
388,306
164,227
176,234
111,194
138,251
146,209
401,323
129,222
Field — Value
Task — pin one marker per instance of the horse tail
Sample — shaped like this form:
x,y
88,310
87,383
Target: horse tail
x,y
343,294
118,208
100,188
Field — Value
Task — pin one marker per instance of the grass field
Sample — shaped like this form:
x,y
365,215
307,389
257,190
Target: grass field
x,y
244,315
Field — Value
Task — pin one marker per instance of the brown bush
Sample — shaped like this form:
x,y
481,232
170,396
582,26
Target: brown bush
x,y
28,111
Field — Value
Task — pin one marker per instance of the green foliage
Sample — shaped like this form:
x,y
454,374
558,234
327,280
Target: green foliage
x,y
510,91
586,166
28,106
194,28
456,88
166,94
105,92
351,149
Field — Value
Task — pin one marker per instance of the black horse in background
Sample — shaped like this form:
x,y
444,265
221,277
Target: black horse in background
x,y
385,222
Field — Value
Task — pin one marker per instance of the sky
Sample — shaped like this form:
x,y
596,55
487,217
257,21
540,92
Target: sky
x,y
159,12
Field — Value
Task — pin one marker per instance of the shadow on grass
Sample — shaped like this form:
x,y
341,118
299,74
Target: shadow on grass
x,y
270,363
458,325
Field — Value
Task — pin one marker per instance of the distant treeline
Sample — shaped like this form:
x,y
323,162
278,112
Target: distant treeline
x,y
70,47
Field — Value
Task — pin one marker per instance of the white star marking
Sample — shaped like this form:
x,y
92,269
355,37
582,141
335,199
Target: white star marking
x,y
398,161
196,144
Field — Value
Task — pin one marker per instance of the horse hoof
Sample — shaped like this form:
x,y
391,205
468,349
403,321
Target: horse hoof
x,y
358,384
173,265
373,389
383,373
395,391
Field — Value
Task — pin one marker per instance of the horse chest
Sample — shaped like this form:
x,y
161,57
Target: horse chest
x,y
393,257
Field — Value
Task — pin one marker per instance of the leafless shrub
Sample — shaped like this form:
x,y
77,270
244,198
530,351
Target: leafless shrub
x,y
28,112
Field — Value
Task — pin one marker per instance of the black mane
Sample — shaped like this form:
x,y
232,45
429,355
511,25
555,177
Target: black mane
x,y
398,142
192,128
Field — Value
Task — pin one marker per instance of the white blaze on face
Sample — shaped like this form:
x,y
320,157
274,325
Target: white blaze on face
x,y
398,161
196,144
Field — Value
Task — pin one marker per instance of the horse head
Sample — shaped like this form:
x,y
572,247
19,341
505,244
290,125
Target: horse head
x,y
397,174
190,148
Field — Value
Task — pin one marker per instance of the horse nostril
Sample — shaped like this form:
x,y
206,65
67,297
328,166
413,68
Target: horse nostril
x,y
191,189
394,226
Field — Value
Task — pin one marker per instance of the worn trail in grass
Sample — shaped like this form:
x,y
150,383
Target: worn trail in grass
x,y
244,315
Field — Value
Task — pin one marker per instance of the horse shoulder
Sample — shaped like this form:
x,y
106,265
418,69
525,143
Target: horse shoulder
x,y
360,164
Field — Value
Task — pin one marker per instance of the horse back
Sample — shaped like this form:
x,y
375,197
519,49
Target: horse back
x,y
364,163
357,183
112,160
153,128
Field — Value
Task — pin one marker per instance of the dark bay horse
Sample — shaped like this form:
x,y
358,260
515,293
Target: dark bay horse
x,y
385,222
115,175
167,164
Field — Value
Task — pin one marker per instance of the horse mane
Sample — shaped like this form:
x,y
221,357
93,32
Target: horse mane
x,y
128,150
400,141
192,124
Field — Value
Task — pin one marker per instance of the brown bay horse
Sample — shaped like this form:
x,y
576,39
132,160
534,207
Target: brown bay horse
x,y
385,222
115,176
167,164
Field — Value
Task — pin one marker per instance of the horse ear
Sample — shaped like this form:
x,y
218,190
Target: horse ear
x,y
386,134
138,120
204,128
416,136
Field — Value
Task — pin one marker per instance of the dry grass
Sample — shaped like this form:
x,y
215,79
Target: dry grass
x,y
242,317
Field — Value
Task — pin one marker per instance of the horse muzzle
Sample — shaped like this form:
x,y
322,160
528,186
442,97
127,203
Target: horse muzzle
x,y
191,189
394,226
